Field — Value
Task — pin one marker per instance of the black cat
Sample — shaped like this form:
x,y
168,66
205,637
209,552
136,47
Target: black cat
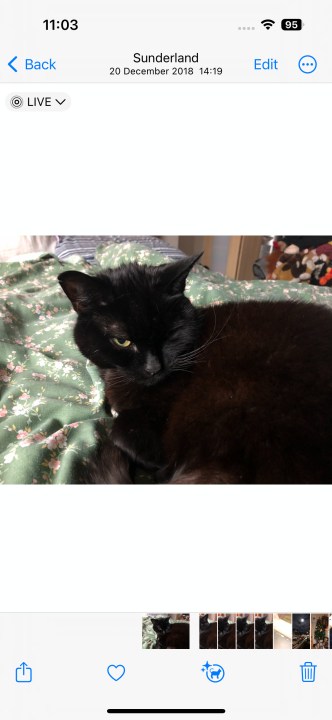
x,y
171,635
235,393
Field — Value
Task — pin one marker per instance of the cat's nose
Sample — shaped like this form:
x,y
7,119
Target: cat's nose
x,y
152,364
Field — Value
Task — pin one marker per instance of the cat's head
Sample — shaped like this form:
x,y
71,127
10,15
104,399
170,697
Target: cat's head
x,y
223,623
135,318
160,625
242,624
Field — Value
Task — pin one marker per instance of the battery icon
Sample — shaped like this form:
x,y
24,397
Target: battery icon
x,y
291,24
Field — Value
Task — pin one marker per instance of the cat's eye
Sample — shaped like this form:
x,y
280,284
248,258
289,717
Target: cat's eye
x,y
122,342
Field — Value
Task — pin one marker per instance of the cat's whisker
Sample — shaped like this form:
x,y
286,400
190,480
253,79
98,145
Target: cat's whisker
x,y
119,381
181,363
182,370
198,351
202,347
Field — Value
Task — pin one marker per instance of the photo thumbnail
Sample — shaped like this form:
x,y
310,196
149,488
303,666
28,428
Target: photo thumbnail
x,y
282,631
301,631
264,631
208,631
166,631
226,631
245,631
320,632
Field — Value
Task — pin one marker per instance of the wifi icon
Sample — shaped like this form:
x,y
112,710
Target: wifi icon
x,y
268,24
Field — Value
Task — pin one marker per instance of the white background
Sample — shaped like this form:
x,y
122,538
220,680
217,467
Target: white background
x,y
170,160
230,159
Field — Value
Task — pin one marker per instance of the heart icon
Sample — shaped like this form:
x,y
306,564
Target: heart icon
x,y
116,672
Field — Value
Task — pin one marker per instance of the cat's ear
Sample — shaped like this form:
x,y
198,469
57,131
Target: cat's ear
x,y
174,275
81,289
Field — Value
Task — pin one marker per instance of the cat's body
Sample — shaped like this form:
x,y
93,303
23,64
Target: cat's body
x,y
235,393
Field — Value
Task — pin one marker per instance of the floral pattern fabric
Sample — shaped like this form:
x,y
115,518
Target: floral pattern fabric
x,y
51,397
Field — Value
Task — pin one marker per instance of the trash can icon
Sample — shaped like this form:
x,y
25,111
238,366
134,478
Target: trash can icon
x,y
308,671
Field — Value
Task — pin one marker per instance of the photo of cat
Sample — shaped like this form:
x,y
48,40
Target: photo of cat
x,y
221,394
227,631
208,631
166,632
264,631
245,631
137,363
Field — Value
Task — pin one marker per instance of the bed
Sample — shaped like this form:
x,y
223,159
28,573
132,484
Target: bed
x,y
51,404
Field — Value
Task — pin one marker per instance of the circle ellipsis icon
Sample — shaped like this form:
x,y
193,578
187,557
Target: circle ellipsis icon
x,y
307,64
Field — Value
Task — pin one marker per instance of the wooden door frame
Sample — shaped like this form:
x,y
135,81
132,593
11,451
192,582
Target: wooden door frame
x,y
242,253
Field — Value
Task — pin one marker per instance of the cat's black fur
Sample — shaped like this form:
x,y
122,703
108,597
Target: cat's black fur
x,y
240,392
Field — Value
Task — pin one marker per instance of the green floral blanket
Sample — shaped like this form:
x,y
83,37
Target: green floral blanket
x,y
51,403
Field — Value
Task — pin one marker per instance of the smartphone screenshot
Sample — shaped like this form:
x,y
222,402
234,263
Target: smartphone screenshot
x,y
165,359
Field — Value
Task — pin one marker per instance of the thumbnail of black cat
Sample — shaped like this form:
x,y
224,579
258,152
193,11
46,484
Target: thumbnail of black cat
x,y
171,635
263,634
226,633
207,633
235,393
245,634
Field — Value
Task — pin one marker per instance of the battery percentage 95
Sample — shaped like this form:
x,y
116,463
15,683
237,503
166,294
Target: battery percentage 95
x,y
291,24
